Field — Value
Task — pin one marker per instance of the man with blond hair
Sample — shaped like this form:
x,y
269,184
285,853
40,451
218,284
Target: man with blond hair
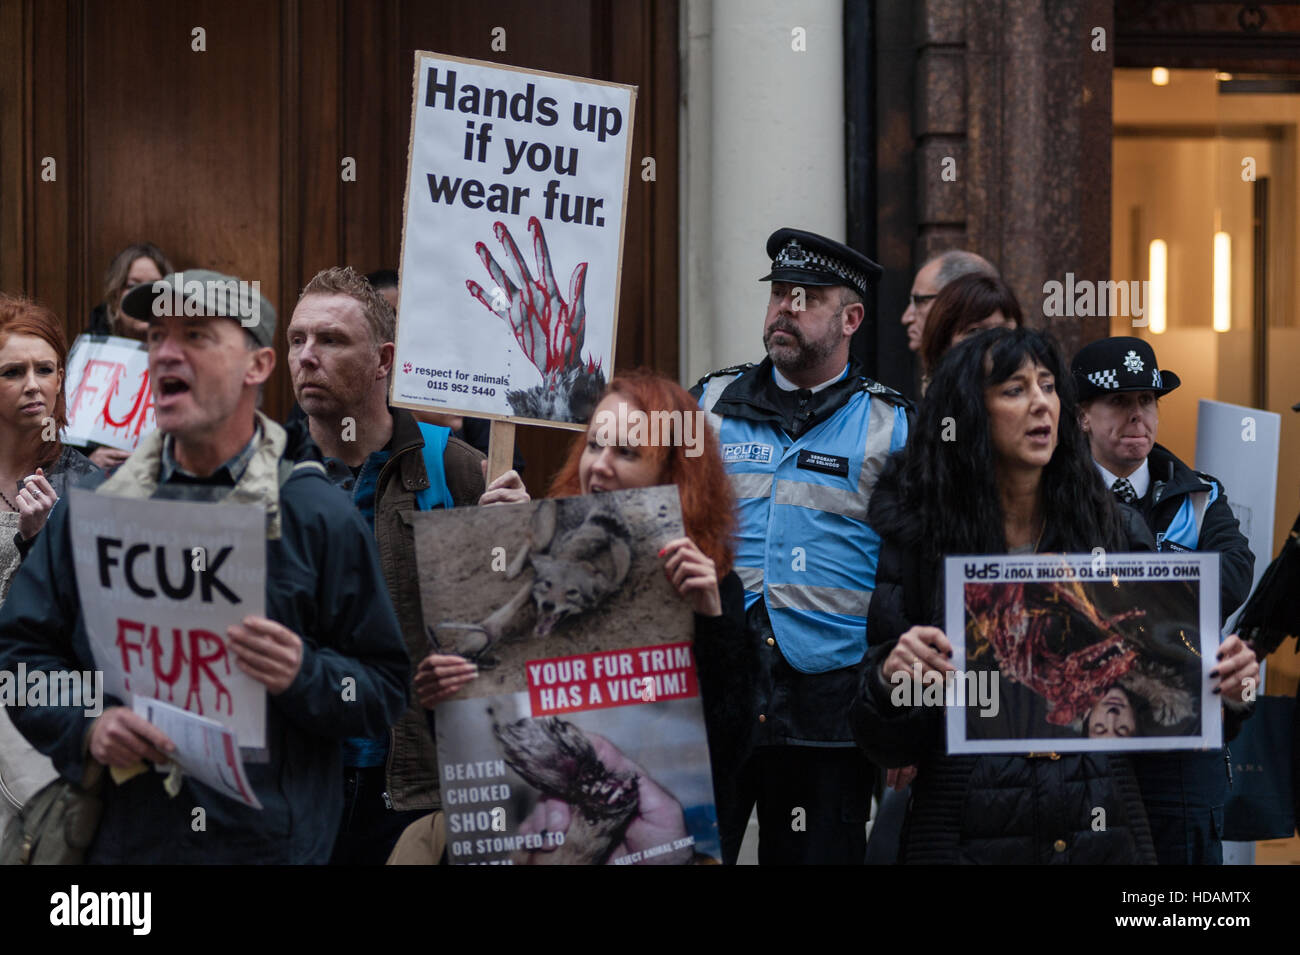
x,y
390,465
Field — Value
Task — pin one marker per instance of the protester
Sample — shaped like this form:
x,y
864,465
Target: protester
x,y
804,434
697,564
964,307
1016,479
1120,384
328,618
135,265
35,471
340,359
930,281
384,281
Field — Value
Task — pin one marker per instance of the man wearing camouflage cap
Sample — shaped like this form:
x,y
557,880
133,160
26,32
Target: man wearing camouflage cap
x,y
804,435
328,616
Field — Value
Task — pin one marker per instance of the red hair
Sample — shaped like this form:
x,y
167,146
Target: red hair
x,y
708,505
22,316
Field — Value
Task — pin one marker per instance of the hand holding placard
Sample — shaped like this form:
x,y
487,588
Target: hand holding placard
x,y
268,652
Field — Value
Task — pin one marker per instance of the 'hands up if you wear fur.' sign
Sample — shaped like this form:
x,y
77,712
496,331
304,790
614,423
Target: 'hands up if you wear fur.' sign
x,y
582,739
512,241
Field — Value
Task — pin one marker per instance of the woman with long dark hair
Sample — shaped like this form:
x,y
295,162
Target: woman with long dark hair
x,y
697,564
996,464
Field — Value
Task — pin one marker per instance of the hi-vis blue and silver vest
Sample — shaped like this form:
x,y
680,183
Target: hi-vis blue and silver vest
x,y
804,545
1184,531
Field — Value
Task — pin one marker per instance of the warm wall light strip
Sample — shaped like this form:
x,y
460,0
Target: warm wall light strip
x,y
1160,76
1222,282
1158,270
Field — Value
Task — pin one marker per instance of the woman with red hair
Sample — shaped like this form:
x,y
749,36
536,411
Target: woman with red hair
x,y
35,467
35,470
698,564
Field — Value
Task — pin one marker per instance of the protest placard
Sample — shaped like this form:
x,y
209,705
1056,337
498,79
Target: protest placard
x,y
1239,446
159,583
1079,652
205,750
108,396
582,739
503,159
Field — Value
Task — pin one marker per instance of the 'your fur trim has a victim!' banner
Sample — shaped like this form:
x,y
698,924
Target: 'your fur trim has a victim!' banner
x,y
582,739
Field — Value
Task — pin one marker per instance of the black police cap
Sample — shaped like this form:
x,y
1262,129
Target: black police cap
x,y
806,258
1121,363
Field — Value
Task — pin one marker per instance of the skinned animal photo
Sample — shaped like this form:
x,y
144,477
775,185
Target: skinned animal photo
x,y
1081,657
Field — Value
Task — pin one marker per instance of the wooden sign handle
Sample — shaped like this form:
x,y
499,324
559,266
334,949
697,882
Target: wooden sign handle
x,y
501,448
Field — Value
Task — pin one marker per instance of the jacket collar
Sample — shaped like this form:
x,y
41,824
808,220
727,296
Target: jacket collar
x,y
755,396
259,484
1170,477
407,437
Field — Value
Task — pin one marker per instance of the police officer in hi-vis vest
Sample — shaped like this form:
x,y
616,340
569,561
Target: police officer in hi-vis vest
x,y
804,435
1119,386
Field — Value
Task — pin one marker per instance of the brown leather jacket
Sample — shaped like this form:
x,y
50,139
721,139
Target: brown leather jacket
x,y
411,774
412,771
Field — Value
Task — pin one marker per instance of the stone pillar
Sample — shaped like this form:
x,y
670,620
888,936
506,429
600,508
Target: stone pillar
x,y
1014,93
763,147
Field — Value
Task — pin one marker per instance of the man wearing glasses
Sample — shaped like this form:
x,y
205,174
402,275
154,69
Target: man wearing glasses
x,y
930,279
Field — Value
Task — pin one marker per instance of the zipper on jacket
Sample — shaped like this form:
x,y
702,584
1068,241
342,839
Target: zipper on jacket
x,y
9,797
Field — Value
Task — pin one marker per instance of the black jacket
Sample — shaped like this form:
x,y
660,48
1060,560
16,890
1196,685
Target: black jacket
x,y
1171,482
727,665
981,809
795,707
323,582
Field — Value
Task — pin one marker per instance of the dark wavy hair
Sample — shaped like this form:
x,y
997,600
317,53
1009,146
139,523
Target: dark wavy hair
x,y
960,304
950,486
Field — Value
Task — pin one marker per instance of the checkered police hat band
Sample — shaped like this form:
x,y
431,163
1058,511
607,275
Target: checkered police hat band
x,y
794,256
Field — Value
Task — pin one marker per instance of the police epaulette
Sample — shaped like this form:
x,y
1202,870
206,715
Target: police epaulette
x,y
733,370
889,394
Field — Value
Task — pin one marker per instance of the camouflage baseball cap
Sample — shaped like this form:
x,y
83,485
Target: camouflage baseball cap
x,y
204,292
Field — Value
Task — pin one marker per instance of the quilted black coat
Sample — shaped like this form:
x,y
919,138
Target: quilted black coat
x,y
982,809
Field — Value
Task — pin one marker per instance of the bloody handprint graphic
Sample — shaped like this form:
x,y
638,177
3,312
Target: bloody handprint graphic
x,y
548,329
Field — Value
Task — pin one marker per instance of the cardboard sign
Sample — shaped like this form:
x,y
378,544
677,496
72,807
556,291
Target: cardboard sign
x,y
582,739
159,582
1239,446
512,241
108,396
1076,653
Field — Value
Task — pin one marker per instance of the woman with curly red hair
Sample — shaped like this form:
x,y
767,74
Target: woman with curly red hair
x,y
697,564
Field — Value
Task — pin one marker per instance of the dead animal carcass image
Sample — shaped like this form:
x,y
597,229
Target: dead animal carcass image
x,y
498,581
1063,648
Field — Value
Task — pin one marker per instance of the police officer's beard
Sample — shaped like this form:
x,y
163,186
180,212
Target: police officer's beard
x,y
804,354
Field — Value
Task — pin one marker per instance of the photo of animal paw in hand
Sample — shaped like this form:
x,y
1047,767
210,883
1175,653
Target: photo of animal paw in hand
x,y
607,807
